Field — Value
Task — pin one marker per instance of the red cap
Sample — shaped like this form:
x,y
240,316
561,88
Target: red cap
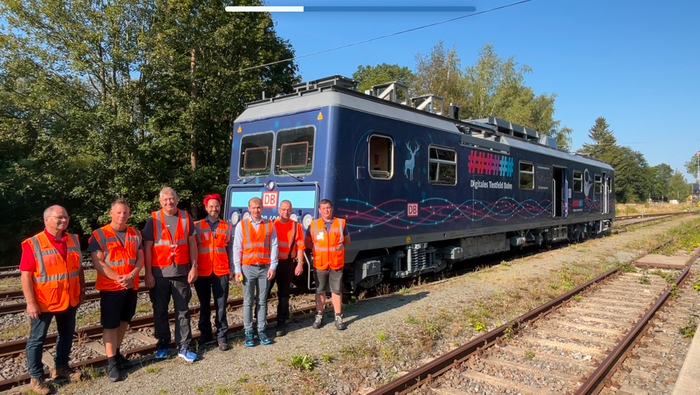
x,y
215,196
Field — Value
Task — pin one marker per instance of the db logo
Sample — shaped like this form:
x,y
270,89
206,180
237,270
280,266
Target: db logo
x,y
412,210
269,199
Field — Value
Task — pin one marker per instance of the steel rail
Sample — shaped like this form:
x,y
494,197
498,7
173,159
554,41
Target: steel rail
x,y
20,307
100,361
438,366
13,347
607,367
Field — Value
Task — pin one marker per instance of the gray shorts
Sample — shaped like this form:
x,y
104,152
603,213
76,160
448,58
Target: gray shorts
x,y
329,280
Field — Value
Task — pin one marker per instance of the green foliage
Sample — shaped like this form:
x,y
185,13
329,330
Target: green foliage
x,y
633,177
106,100
696,284
691,166
688,331
302,362
367,76
628,267
669,277
327,358
674,291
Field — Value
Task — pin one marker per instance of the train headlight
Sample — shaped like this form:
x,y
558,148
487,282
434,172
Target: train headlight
x,y
306,222
235,217
294,217
246,215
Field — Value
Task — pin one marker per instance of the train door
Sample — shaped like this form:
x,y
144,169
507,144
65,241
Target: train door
x,y
606,194
559,192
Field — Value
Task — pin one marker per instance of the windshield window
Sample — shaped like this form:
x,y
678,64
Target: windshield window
x,y
295,150
255,155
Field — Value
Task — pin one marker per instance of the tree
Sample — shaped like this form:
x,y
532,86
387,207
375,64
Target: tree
x,y
439,73
633,177
117,99
678,188
691,166
496,87
563,138
661,175
367,76
605,143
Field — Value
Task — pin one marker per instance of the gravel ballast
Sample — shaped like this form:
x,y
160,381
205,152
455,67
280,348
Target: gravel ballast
x,y
374,347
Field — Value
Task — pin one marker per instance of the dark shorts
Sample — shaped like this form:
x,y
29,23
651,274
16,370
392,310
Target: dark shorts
x,y
329,280
117,306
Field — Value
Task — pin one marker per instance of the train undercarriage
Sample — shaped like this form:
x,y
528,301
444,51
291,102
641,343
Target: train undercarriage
x,y
373,267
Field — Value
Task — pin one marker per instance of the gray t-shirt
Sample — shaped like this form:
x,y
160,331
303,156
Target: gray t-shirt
x,y
172,270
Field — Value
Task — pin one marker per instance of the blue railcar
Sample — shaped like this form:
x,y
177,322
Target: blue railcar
x,y
419,190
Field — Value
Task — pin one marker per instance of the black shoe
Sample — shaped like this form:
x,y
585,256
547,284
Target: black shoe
x,y
113,373
204,340
223,346
281,329
123,362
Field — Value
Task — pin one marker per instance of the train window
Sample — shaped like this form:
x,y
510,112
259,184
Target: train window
x,y
442,166
527,175
255,155
598,183
381,157
578,181
295,150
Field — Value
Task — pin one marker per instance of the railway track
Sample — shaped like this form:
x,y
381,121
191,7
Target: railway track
x,y
573,344
87,341
13,270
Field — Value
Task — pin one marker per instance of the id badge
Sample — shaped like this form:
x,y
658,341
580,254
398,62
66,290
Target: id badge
x,y
319,236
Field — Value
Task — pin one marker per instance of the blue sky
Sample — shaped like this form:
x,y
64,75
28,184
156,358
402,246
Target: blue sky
x,y
636,63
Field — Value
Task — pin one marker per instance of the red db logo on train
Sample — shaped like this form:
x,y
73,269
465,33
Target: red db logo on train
x,y
412,210
269,199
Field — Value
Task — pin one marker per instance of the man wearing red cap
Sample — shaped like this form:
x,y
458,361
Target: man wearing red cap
x,y
214,271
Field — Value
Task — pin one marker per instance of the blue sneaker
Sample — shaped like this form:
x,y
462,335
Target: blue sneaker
x,y
187,355
249,340
162,352
264,339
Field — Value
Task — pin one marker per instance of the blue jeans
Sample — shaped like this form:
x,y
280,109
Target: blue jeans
x,y
65,323
255,279
205,287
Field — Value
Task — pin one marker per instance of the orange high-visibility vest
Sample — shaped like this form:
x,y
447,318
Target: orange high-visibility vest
x,y
211,247
166,249
256,245
329,250
120,258
288,235
56,280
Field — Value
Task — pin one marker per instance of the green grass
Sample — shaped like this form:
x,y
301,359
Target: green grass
x,y
302,362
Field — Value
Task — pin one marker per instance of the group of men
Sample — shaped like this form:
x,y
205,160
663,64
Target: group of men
x,y
176,252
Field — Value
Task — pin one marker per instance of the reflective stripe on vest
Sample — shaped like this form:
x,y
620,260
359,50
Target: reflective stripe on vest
x,y
121,258
56,280
169,248
287,233
256,244
211,246
329,250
